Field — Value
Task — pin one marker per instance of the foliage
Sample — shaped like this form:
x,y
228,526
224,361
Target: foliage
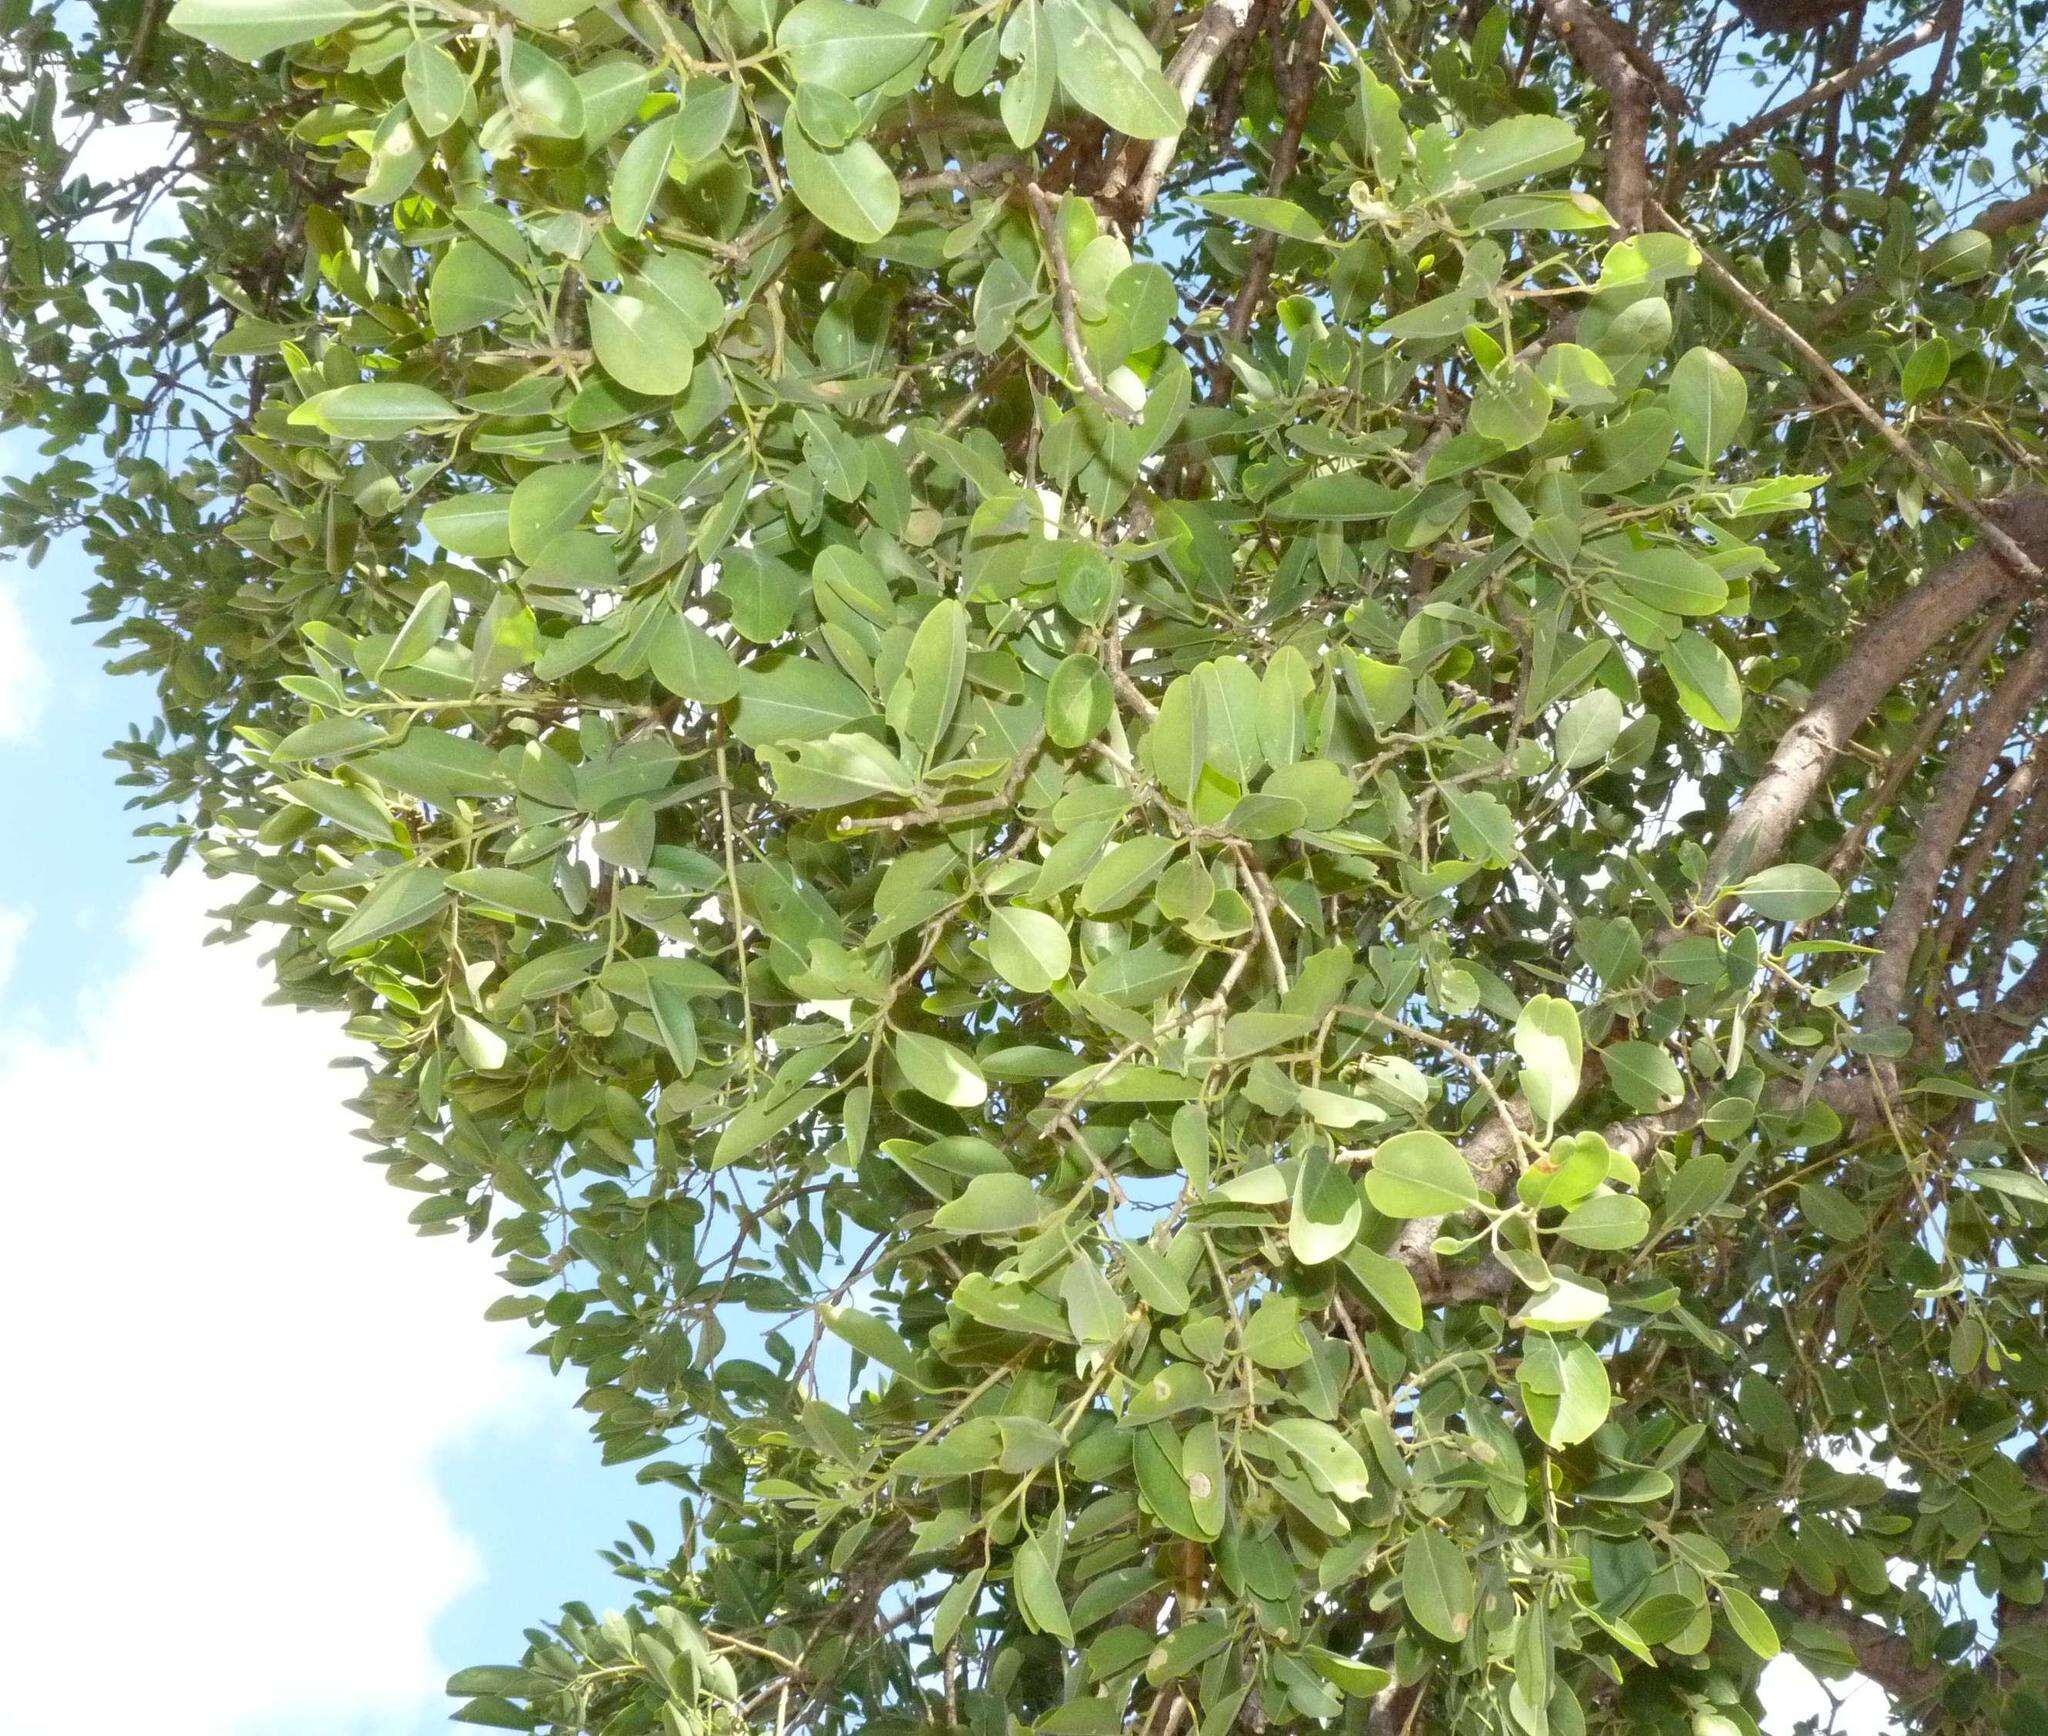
x,y
1211,833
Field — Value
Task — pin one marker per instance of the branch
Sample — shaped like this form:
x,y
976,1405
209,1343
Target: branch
x,y
1781,17
1922,123
1304,66
1887,1658
1063,303
1217,28
1940,827
2022,563
2023,212
1965,911
1877,660
1960,684
1612,57
1823,90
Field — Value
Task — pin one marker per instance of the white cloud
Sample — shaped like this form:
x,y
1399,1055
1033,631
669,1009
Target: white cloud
x,y
230,1365
24,683
1789,1692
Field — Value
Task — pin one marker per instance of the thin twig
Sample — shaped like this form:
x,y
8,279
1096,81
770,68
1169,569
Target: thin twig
x,y
1822,90
2015,558
1047,216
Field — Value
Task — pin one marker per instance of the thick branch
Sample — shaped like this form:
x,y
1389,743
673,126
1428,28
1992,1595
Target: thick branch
x,y
1618,63
1877,660
2023,212
1964,910
1956,795
1958,689
1887,1658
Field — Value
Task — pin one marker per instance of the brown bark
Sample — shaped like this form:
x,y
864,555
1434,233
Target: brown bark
x,y
1877,660
1939,829
1612,57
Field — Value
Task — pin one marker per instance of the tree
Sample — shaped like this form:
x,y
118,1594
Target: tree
x,y
1212,832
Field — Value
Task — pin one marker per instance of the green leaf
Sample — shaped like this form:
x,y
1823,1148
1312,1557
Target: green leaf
x,y
641,170
549,501
1343,494
1643,1076
1436,1585
1323,789
1747,1617
1926,370
1607,1222
250,29
1708,687
402,899
1420,1175
543,100
1566,1306
873,1338
1708,400
472,287
1107,65
379,410
1029,949
1516,149
837,771
675,1023
1333,1464
422,630
990,1205
936,669
941,1070
1094,1311
847,48
344,804
641,343
1482,826
1790,892
1125,872
1552,1048
1027,91
1257,211
1565,1390
1588,729
690,663
436,89
513,889
476,525
1078,701
796,699
1359,1680
1038,1589
850,191
1389,1283
1666,578
1159,1286
1324,1214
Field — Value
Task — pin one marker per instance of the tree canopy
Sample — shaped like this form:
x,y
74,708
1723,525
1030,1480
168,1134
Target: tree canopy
x,y
1212,832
